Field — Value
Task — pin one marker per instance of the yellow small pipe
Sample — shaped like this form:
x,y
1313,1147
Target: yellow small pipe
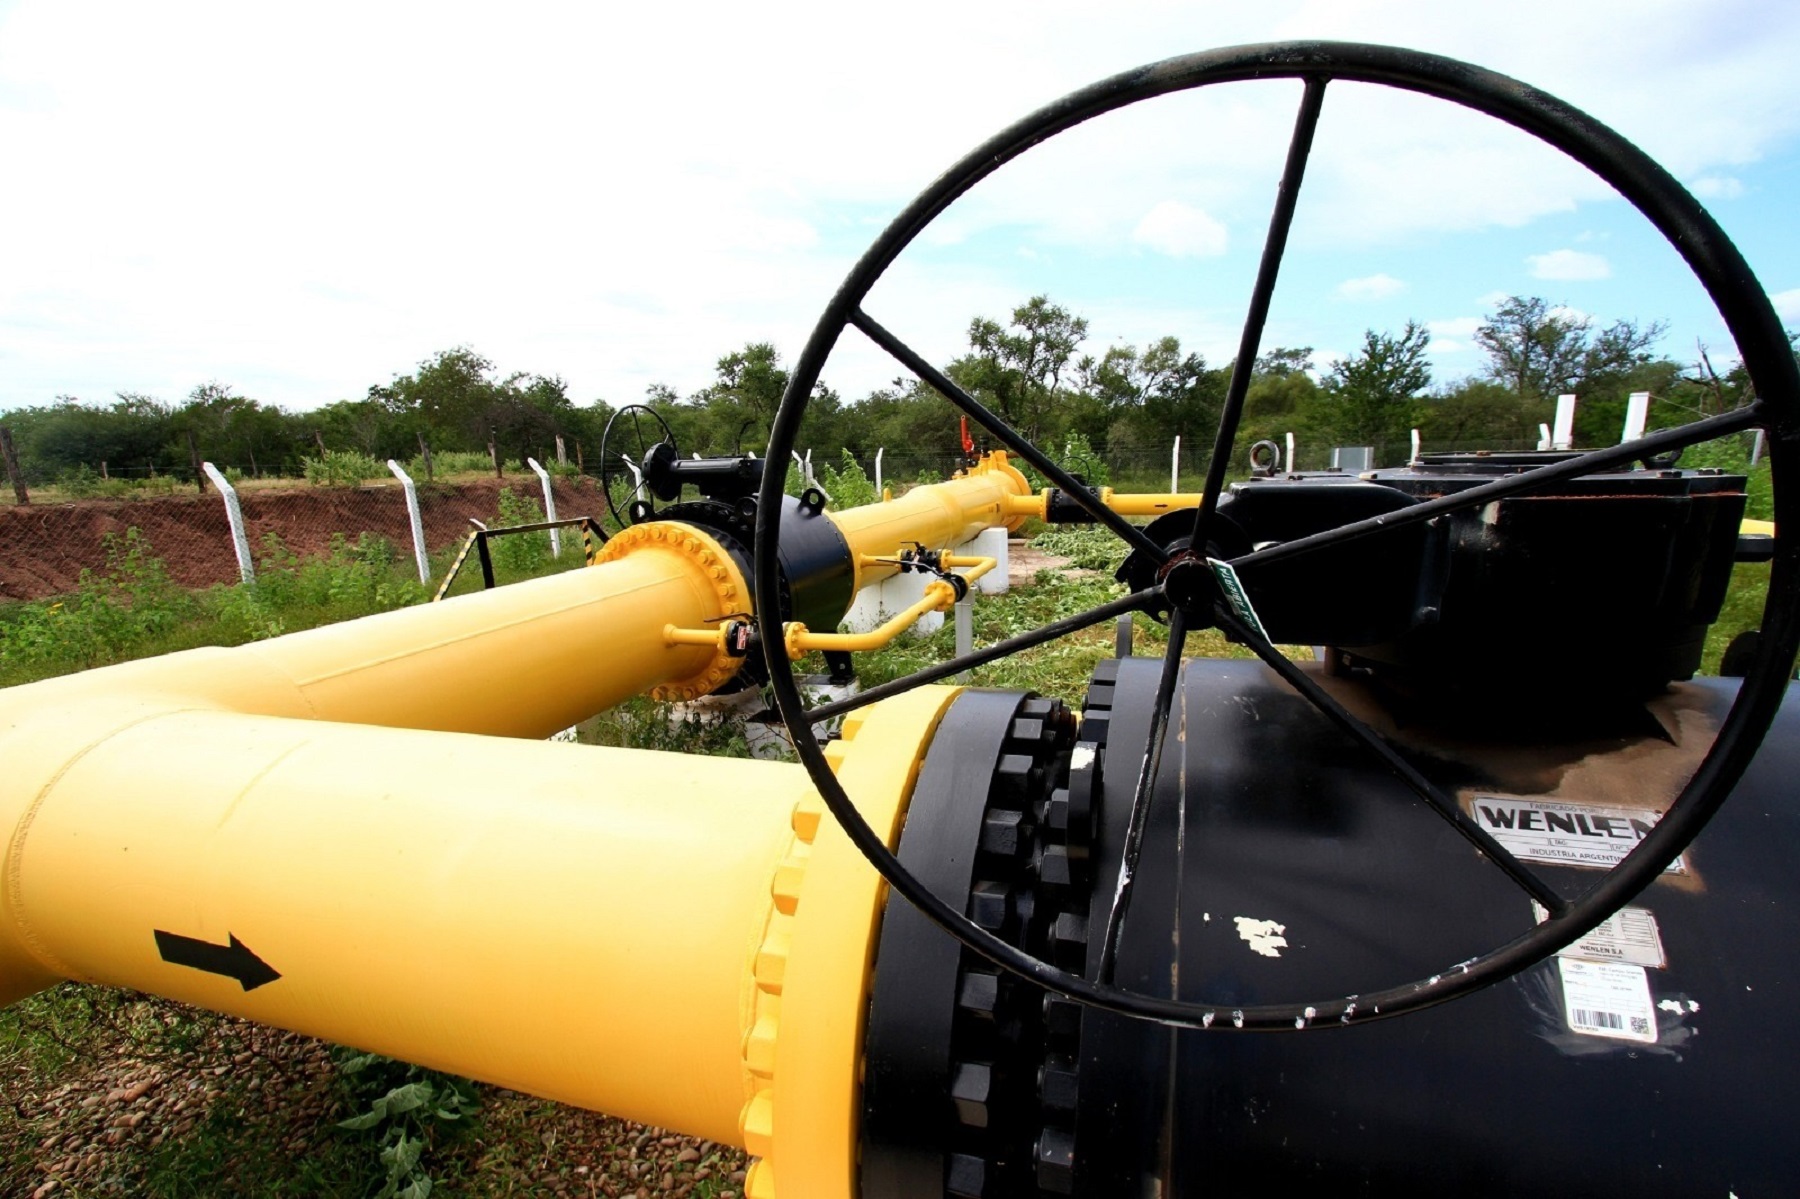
x,y
939,596
801,641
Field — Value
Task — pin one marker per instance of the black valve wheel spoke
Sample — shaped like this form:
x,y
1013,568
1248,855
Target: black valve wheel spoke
x,y
1249,344
1005,434
1716,263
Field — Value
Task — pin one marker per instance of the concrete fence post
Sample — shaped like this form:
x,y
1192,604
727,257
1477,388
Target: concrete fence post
x,y
1637,415
418,524
549,506
1562,437
1175,467
234,515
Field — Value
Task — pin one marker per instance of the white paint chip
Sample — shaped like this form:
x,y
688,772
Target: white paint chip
x,y
1262,936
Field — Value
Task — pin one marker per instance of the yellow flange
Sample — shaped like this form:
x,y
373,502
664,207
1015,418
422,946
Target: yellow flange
x,y
709,562
803,1052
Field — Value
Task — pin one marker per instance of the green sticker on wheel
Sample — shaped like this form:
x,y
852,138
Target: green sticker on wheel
x,y
1236,596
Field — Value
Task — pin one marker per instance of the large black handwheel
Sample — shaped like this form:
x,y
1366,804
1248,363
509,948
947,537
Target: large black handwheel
x,y
1184,590
627,440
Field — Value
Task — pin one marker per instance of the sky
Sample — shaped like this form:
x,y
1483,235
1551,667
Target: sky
x,y
300,201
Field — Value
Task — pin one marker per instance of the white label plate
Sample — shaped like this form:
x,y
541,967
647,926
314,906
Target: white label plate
x,y
1568,834
1629,935
1606,999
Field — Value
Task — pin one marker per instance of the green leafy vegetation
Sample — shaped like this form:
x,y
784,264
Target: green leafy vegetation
x,y
407,1110
341,468
520,553
846,484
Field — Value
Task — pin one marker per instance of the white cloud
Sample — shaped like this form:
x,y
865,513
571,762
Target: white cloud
x,y
1717,187
1370,287
1787,305
1569,266
1453,335
1180,231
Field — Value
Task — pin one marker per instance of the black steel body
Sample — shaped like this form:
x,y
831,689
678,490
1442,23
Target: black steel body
x,y
1610,580
1263,810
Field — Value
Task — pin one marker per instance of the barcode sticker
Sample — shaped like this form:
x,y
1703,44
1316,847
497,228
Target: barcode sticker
x,y
1608,999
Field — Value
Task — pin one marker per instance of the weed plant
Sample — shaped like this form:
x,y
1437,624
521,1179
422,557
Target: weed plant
x,y
342,468
520,555
846,484
407,1110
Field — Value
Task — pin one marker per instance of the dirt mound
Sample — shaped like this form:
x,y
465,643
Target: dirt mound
x,y
45,547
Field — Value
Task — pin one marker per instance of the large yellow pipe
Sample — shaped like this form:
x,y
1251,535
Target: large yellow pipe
x,y
678,940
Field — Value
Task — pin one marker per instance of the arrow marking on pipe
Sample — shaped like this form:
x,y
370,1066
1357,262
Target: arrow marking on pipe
x,y
233,960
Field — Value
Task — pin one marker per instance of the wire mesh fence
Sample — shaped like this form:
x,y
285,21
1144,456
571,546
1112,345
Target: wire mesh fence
x,y
45,547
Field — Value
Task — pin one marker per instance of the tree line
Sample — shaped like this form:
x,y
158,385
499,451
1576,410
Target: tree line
x,y
1034,369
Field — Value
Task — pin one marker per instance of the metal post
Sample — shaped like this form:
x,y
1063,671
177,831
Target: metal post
x,y
418,525
234,515
1175,468
486,557
965,630
1290,464
878,454
549,506
1415,446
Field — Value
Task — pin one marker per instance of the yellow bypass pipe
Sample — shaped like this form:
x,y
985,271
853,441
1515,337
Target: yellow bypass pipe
x,y
683,941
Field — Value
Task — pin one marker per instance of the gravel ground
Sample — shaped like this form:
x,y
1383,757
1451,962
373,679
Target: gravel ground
x,y
165,1100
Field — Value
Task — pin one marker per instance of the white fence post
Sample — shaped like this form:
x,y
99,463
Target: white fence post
x,y
1290,455
1564,436
1175,468
878,454
549,506
235,516
1415,446
412,515
1756,449
1637,415
1544,439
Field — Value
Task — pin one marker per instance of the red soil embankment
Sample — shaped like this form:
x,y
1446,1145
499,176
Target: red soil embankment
x,y
45,547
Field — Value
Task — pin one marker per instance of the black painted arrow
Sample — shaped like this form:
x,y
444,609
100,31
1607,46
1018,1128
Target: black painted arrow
x,y
234,960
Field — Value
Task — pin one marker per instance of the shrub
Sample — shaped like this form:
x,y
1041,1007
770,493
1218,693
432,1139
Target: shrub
x,y
520,553
341,468
846,484
112,615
